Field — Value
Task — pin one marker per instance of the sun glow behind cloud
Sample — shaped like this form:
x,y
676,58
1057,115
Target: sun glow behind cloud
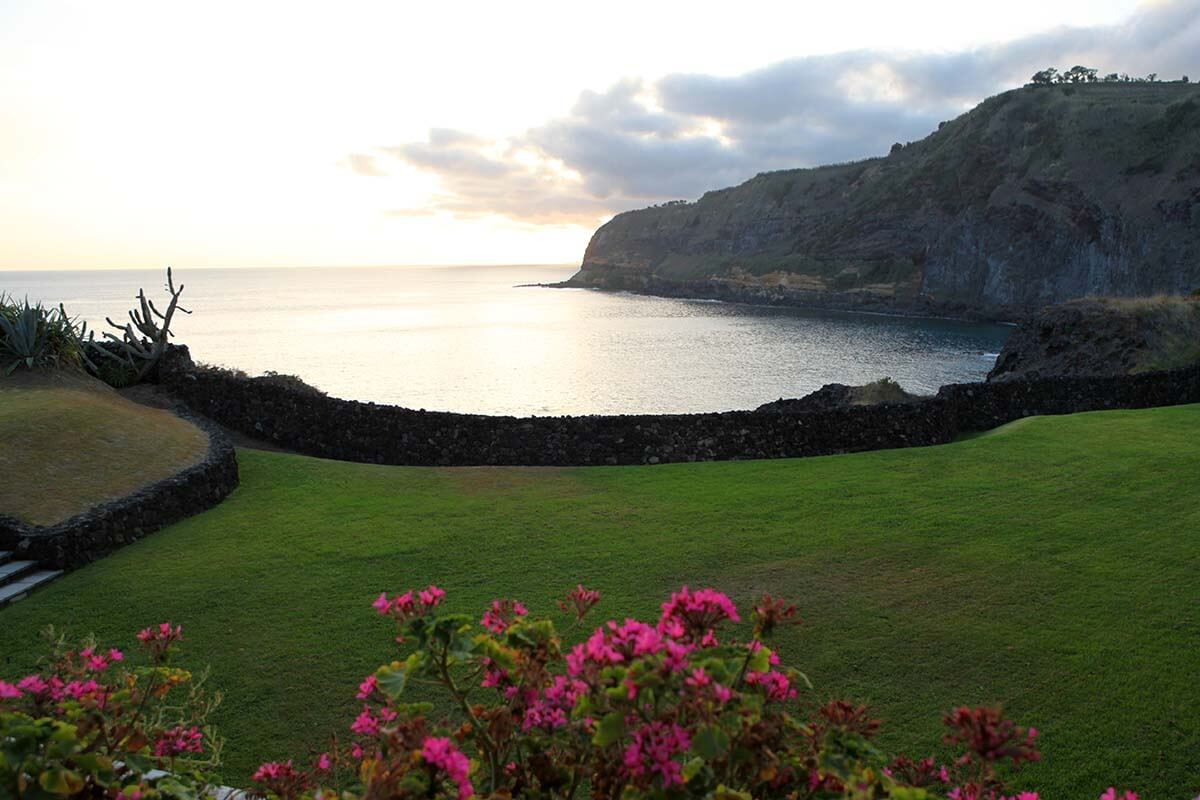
x,y
247,134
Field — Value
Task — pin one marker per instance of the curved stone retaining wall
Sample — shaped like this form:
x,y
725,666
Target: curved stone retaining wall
x,y
352,431
104,528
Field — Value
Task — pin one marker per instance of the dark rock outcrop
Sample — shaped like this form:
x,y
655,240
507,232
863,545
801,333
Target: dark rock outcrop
x,y
1037,196
1103,336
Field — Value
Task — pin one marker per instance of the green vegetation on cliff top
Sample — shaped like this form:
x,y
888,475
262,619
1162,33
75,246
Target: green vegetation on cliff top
x,y
1049,565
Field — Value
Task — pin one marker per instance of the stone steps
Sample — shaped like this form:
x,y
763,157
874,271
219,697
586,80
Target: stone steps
x,y
19,578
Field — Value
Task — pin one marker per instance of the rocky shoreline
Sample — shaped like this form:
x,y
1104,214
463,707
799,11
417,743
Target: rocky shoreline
x,y
724,291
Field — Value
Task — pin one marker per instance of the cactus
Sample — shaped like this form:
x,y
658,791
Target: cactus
x,y
143,339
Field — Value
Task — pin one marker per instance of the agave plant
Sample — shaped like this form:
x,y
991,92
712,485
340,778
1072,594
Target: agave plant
x,y
32,335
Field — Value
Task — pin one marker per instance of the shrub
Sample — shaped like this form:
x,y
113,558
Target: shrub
x,y
33,336
91,725
674,709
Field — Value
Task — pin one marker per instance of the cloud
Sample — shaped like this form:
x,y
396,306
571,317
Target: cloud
x,y
362,164
638,143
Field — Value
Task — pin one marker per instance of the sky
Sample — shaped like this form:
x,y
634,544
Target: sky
x,y
250,134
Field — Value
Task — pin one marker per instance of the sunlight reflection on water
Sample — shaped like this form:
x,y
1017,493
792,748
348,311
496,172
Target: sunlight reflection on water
x,y
466,339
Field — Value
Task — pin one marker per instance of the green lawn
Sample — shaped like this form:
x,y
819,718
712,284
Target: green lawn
x,y
68,443
1053,566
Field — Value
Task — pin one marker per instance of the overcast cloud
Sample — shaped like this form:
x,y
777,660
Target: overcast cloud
x,y
639,143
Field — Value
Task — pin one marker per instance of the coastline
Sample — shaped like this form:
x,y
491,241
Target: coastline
x,y
709,291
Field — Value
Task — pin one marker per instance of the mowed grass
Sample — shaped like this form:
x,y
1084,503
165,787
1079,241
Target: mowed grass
x,y
69,444
1051,566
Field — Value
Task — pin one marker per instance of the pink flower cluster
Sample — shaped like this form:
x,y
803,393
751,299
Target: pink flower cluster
x,y
693,615
98,663
1111,794
41,689
551,709
281,777
702,684
163,634
579,601
615,644
174,741
367,724
502,613
440,753
653,751
776,685
410,605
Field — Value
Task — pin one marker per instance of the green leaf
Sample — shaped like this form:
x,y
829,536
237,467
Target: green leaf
x,y
711,743
610,729
60,781
392,678
692,768
760,661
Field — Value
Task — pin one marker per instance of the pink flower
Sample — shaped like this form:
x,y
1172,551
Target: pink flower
x,y
1111,794
366,687
365,724
775,684
34,685
115,655
77,689
281,778
694,614
381,604
653,751
493,676
677,655
442,754
8,691
579,601
178,740
357,751
323,762
163,634
502,614
431,596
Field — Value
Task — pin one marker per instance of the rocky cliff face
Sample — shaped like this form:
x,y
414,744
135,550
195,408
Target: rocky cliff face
x,y
1103,336
1036,196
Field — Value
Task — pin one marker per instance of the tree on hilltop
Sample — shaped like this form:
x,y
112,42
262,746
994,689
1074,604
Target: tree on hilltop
x,y
1078,74
1045,77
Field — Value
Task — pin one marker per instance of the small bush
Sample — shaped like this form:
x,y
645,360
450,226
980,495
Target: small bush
x,y
92,725
884,390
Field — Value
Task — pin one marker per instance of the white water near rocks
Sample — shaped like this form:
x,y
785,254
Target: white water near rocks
x,y
468,339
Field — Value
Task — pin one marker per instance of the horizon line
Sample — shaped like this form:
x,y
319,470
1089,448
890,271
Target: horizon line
x,y
4,269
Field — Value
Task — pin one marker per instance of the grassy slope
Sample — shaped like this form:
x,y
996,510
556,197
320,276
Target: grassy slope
x,y
71,445
1050,566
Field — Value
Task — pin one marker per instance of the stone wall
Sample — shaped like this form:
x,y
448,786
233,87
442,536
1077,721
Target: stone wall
x,y
104,528
349,430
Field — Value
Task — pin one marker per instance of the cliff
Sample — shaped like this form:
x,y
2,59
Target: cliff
x,y
1037,196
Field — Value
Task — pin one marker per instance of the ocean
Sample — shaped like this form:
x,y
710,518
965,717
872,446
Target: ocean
x,y
471,339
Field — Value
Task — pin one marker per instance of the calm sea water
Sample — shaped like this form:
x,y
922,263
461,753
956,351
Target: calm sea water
x,y
467,339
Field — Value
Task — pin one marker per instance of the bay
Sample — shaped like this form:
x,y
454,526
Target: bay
x,y
471,339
